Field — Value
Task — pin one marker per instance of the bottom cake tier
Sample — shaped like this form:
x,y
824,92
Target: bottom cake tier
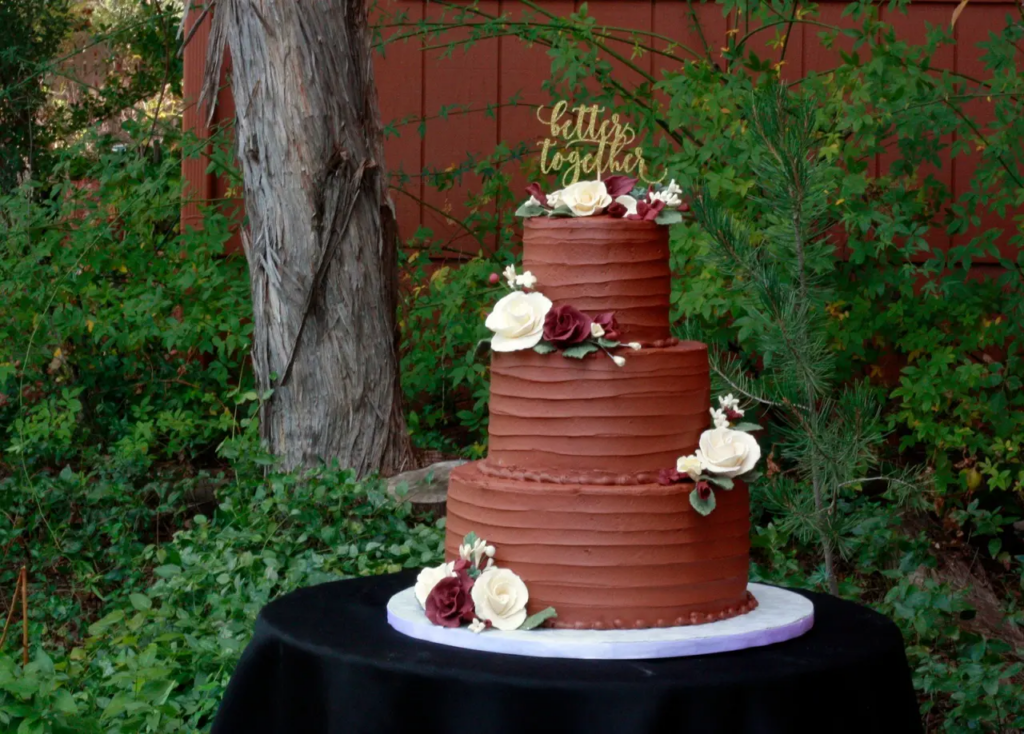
x,y
610,557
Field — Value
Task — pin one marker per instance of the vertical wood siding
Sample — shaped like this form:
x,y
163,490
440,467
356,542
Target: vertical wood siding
x,y
418,83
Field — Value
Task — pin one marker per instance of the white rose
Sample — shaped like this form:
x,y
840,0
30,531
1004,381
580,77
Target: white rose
x,y
428,579
627,201
500,598
691,465
586,197
555,198
518,321
728,452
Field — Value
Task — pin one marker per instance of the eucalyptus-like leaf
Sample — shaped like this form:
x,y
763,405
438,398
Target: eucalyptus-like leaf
x,y
527,210
669,216
579,351
561,210
470,538
723,482
746,427
607,343
536,620
543,347
704,507
751,476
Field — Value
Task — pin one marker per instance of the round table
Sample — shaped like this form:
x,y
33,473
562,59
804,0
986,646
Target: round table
x,y
324,660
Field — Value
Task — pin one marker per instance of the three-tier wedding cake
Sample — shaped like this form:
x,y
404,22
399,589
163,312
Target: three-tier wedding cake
x,y
584,495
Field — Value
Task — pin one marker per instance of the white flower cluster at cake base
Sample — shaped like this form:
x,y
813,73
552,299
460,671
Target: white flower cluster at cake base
x,y
470,591
726,453
615,196
522,320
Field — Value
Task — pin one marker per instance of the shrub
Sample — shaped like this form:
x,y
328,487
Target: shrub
x,y
122,336
140,633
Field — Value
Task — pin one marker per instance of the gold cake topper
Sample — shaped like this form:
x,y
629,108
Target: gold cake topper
x,y
612,138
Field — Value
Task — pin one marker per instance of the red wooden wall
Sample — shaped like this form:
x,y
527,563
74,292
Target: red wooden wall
x,y
418,82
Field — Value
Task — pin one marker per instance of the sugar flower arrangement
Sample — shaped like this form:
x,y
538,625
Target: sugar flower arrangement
x,y
526,319
616,196
726,452
478,593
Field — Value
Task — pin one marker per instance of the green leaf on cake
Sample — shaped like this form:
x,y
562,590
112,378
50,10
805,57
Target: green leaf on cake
x,y
536,620
669,216
607,343
561,211
579,351
704,507
543,347
527,210
751,476
746,427
723,482
470,538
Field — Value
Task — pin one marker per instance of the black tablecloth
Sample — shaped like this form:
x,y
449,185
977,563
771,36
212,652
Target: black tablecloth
x,y
324,660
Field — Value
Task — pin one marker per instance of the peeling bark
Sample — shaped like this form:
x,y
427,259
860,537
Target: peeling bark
x,y
322,237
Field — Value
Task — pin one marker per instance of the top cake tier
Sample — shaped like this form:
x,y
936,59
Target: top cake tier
x,y
600,264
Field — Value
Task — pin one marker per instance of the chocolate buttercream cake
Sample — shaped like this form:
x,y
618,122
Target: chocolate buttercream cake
x,y
569,492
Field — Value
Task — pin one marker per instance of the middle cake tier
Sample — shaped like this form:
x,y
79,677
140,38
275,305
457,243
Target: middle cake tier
x,y
558,419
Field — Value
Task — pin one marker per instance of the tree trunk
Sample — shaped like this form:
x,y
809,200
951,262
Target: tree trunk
x,y
322,239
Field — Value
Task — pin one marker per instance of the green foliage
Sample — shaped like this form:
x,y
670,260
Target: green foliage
x,y
147,636
121,336
31,34
448,295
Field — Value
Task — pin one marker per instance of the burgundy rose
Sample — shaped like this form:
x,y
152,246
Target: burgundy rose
x,y
618,185
669,476
684,207
449,603
615,209
566,325
607,322
732,414
703,490
647,212
535,191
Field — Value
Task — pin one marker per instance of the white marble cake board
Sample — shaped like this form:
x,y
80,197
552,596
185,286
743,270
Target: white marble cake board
x,y
780,615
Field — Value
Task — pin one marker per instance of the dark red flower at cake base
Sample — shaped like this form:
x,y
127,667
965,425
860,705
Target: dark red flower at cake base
x,y
647,212
535,191
669,476
684,207
566,325
618,185
450,603
703,490
733,415
615,209
607,322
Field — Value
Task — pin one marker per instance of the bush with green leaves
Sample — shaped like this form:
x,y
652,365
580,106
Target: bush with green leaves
x,y
137,631
122,337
